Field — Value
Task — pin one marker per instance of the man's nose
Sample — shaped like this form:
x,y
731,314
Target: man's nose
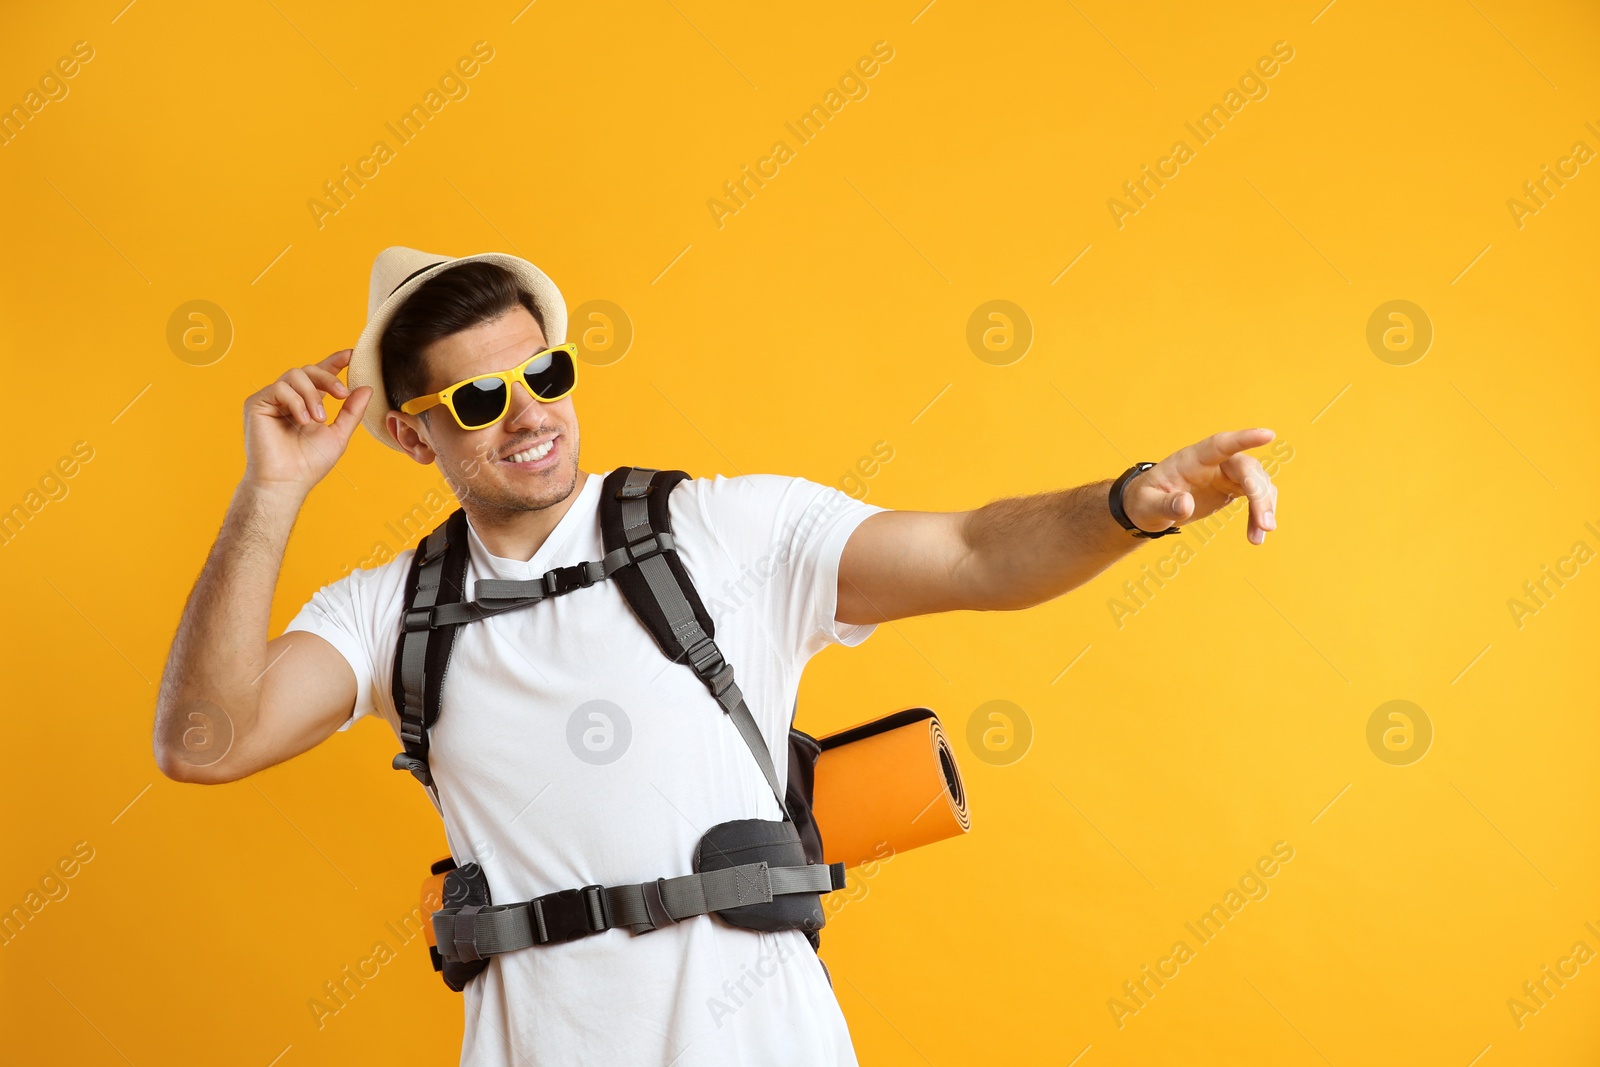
x,y
526,412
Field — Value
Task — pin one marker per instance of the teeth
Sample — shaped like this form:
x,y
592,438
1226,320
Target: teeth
x,y
536,453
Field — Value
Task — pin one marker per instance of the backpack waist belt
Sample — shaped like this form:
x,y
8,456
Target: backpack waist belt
x,y
475,931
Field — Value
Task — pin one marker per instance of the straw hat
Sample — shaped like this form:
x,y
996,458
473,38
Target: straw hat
x,y
397,272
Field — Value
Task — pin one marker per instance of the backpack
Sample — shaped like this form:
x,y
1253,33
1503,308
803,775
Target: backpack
x,y
756,873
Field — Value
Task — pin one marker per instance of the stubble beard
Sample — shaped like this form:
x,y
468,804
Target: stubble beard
x,y
497,496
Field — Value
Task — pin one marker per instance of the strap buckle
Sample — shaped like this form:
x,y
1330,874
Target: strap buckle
x,y
417,619
634,492
645,547
569,914
432,548
562,580
418,768
705,657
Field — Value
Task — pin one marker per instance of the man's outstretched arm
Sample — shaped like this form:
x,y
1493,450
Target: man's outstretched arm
x,y
1021,551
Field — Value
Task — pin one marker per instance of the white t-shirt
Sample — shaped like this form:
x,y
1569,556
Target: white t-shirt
x,y
569,750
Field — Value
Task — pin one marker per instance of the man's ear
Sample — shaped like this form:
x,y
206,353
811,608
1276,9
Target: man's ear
x,y
410,431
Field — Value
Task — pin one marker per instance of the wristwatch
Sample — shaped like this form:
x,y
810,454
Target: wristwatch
x,y
1117,511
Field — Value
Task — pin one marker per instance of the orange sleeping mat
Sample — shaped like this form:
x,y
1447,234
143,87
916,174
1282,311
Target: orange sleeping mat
x,y
892,781
433,896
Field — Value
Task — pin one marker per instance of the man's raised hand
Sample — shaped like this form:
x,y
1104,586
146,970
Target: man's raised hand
x,y
1195,481
289,445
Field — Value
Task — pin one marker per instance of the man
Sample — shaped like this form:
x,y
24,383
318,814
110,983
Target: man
x,y
568,750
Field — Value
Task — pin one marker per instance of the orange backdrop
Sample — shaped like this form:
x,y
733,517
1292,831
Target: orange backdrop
x,y
933,255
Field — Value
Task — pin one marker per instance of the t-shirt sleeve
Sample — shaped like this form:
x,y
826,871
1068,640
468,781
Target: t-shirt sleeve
x,y
350,615
790,533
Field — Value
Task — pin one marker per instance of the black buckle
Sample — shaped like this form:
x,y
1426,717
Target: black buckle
x,y
417,619
711,664
429,557
565,579
569,914
645,547
627,492
418,768
720,681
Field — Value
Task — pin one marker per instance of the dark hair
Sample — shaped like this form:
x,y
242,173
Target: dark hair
x,y
455,299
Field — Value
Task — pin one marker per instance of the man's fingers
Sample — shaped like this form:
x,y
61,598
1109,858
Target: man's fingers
x,y
344,424
338,361
1219,446
1258,530
289,402
301,383
326,380
1248,474
1258,490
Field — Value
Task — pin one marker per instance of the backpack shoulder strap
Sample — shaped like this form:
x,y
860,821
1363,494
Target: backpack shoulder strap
x,y
654,582
438,575
633,508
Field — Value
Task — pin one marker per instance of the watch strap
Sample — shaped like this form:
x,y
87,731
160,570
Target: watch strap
x,y
1121,515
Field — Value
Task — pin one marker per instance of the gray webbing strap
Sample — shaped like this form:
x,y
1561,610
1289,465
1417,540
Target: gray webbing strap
x,y
700,650
474,932
746,723
496,595
413,656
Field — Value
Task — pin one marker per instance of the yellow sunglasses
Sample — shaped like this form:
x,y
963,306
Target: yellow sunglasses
x,y
484,399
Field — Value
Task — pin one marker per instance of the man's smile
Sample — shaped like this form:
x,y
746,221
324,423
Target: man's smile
x,y
537,457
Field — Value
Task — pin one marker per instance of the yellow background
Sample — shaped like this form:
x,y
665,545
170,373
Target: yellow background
x,y
825,316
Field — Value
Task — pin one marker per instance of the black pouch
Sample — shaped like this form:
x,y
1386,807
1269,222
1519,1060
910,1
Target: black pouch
x,y
731,844
803,752
463,886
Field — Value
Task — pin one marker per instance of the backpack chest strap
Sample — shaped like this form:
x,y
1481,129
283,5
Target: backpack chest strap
x,y
496,595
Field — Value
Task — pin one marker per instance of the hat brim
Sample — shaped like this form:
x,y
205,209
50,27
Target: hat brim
x,y
366,361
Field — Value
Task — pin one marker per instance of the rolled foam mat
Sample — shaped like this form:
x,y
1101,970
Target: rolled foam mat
x,y
433,894
888,784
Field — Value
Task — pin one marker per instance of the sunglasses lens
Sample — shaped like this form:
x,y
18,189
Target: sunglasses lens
x,y
551,376
480,403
